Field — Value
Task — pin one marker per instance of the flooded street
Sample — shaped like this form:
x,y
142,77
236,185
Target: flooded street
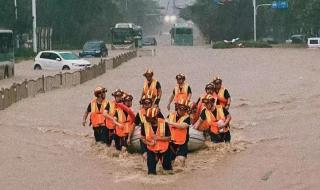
x,y
275,134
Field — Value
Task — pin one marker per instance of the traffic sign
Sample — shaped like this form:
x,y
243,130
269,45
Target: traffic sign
x,y
280,5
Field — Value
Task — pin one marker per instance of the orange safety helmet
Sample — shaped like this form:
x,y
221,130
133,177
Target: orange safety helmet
x,y
209,86
98,90
117,92
146,98
217,80
152,112
181,76
128,97
148,72
208,99
183,104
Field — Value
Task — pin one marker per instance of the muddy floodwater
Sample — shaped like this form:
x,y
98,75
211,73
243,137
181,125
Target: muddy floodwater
x,y
275,126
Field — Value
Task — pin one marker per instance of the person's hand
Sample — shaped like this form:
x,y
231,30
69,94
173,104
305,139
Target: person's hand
x,y
129,141
84,123
144,156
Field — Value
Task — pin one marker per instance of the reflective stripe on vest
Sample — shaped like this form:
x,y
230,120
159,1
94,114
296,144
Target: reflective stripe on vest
x,y
220,116
178,136
112,111
160,146
181,94
212,122
126,121
142,114
220,96
97,118
152,88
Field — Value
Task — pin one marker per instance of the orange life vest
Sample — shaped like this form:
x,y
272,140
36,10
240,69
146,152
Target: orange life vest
x,y
96,117
126,121
181,94
142,115
160,146
178,136
152,88
112,112
211,122
200,107
220,96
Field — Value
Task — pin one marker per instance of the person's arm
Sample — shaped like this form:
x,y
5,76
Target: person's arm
x,y
85,115
228,97
201,119
189,93
167,136
112,119
84,120
177,125
170,100
158,86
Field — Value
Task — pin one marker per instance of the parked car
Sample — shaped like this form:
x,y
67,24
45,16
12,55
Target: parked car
x,y
94,49
314,42
298,39
149,41
56,60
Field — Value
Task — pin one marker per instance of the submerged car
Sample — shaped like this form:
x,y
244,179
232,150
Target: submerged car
x,y
94,49
149,41
56,60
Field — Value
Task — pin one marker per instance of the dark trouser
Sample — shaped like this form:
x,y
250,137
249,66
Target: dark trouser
x,y
99,134
178,150
143,147
221,137
153,159
120,141
109,135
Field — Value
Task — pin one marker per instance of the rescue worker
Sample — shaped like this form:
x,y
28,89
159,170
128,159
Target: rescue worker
x,y
192,112
179,122
146,103
155,133
182,91
123,117
209,90
221,94
96,108
151,87
111,111
217,118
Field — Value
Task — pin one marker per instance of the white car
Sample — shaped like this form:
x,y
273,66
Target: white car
x,y
56,60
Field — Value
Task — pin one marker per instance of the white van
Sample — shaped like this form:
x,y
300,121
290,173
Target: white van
x,y
314,42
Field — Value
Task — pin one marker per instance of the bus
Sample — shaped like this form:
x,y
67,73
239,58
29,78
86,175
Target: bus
x,y
182,34
126,36
6,54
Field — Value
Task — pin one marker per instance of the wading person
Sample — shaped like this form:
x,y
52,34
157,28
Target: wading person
x,y
96,109
146,103
216,119
179,122
182,91
209,90
155,133
111,111
123,132
221,94
151,87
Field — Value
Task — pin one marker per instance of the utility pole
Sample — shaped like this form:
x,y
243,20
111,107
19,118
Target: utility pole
x,y
255,11
34,26
254,20
16,14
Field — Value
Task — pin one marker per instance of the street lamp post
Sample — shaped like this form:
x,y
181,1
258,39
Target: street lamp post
x,y
34,26
255,11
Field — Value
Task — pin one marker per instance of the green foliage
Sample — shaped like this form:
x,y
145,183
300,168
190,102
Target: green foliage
x,y
235,19
24,53
76,21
